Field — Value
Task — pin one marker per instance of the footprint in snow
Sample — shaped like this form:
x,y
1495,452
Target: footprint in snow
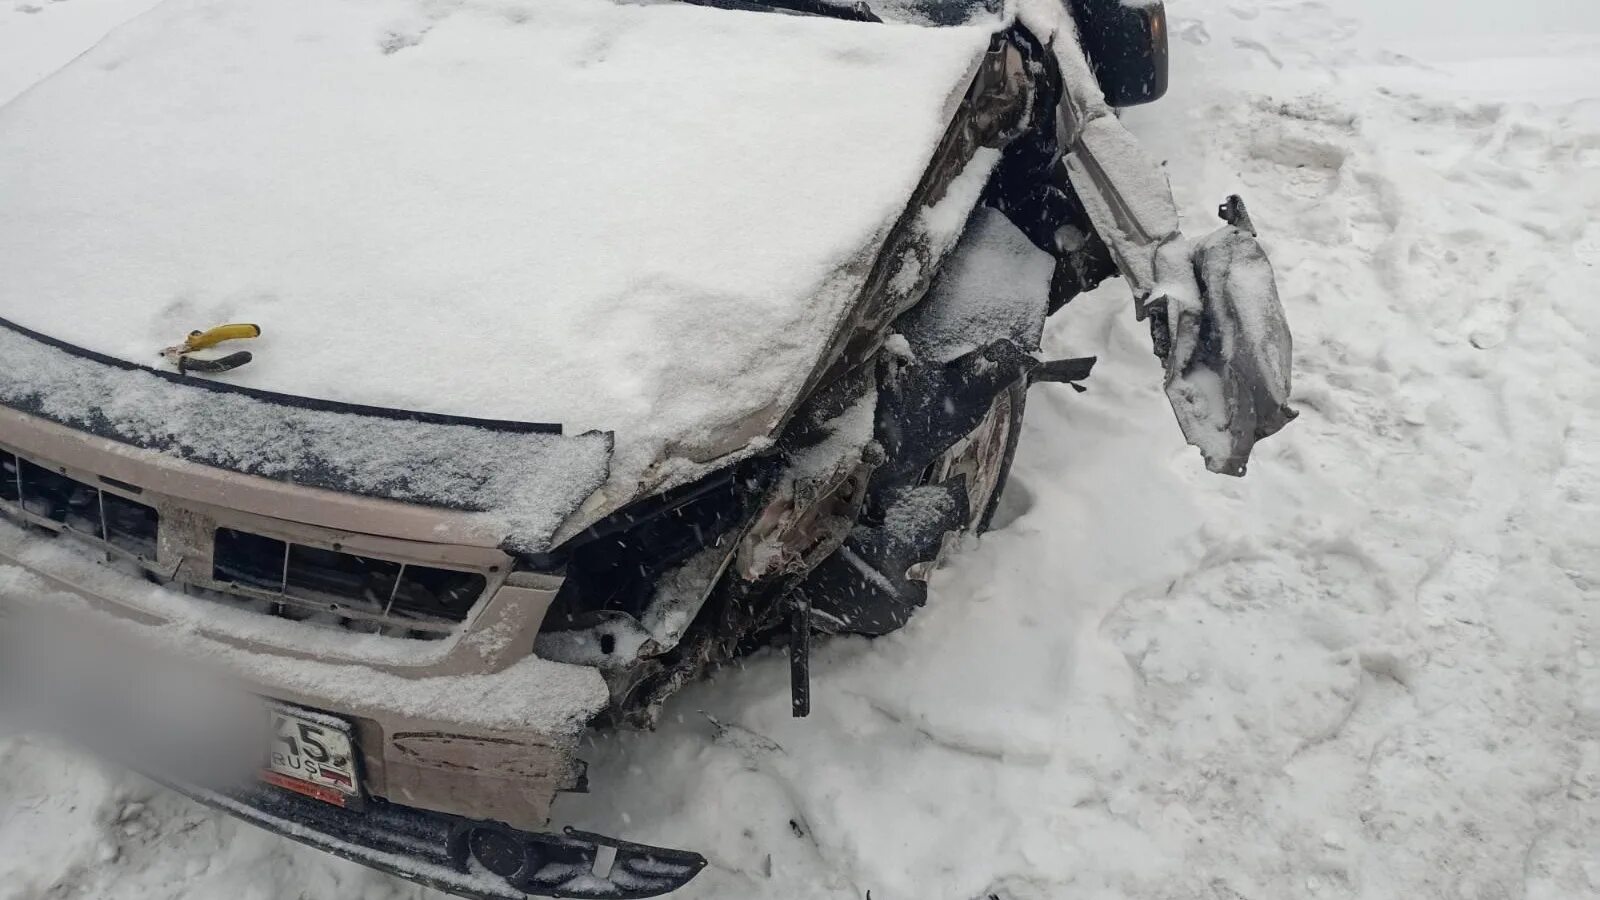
x,y
1587,248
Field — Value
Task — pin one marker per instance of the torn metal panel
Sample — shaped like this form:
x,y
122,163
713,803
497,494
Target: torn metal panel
x,y
1228,371
1217,322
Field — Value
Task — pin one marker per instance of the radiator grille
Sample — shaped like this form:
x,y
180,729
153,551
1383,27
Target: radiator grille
x,y
320,580
267,575
52,498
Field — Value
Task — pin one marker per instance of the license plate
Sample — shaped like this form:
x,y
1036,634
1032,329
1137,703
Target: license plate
x,y
311,754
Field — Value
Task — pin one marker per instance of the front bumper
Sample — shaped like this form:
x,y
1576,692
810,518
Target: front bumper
x,y
440,768
490,745
467,734
469,724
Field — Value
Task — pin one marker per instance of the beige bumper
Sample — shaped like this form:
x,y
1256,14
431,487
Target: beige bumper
x,y
491,746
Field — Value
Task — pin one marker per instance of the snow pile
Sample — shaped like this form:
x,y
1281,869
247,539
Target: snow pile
x,y
640,218
1369,669
996,284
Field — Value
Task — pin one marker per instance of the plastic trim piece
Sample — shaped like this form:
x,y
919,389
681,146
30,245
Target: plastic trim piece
x,y
432,849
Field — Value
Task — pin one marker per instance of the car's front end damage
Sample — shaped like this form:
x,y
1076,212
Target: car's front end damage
x,y
458,600
394,621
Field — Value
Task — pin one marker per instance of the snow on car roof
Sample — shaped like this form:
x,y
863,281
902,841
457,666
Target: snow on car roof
x,y
644,219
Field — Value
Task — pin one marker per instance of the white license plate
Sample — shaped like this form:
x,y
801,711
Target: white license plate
x,y
311,754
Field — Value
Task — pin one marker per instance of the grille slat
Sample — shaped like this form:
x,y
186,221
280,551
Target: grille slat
x,y
440,593
60,499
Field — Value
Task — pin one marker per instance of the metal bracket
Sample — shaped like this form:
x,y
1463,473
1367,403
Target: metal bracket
x,y
799,653
1064,371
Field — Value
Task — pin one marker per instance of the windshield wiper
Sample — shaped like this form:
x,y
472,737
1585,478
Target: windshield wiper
x,y
857,12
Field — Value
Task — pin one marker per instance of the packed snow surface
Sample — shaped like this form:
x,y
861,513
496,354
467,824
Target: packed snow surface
x,y
1368,670
645,218
34,45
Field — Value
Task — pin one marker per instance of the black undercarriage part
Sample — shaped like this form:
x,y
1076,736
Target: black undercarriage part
x,y
1066,371
865,587
925,408
799,654
616,566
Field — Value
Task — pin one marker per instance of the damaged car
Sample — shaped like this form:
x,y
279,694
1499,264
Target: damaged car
x,y
535,359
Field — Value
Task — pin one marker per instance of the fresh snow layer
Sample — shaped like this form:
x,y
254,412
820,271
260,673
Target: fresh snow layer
x,y
1368,670
523,486
645,218
37,37
997,283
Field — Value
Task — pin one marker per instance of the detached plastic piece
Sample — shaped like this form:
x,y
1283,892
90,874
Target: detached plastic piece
x,y
1066,371
479,860
1228,352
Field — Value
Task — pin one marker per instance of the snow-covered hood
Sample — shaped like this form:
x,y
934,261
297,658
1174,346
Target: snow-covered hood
x,y
638,218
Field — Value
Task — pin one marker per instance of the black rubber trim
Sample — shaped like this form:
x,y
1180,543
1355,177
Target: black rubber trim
x,y
859,12
290,400
429,848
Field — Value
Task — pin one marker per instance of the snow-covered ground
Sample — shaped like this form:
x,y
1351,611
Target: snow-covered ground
x,y
38,37
1370,669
